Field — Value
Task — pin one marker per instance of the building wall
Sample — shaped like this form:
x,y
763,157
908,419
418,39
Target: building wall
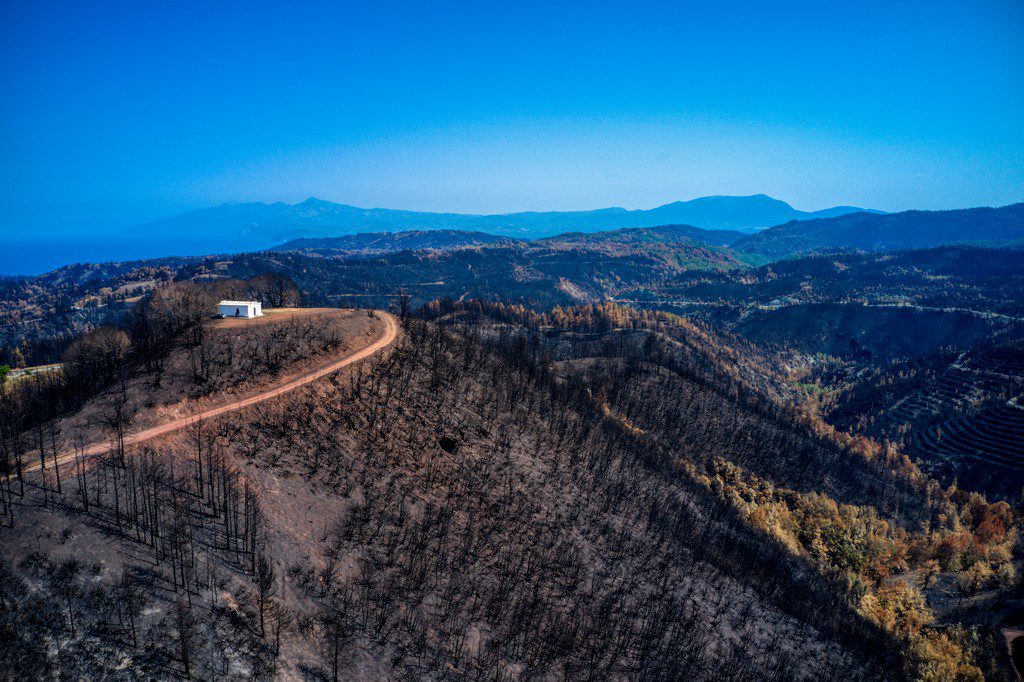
x,y
229,311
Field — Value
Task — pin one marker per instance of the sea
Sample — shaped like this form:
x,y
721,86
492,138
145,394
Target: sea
x,y
30,255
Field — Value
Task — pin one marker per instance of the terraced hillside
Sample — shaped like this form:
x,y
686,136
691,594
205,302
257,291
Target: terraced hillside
x,y
991,436
962,418
990,372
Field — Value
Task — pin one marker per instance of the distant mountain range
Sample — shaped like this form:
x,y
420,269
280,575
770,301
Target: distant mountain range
x,y
863,231
889,232
316,218
733,223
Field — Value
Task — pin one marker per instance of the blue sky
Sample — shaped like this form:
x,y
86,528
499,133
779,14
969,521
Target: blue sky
x,y
115,113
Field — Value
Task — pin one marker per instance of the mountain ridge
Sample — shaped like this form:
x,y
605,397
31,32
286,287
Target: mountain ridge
x,y
907,230
314,217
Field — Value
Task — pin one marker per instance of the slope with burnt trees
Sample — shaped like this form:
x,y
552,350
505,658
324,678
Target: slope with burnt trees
x,y
590,497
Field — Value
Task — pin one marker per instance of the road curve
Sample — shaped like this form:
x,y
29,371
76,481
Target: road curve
x,y
286,385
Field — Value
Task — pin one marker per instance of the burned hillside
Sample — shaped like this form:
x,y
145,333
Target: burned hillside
x,y
473,504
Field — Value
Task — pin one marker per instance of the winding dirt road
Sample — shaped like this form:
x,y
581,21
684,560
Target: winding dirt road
x,y
284,386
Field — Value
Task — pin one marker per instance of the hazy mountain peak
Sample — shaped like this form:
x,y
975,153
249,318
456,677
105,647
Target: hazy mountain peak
x,y
316,217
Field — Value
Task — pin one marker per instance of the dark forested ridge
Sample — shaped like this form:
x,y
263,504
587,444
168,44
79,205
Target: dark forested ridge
x,y
388,242
888,232
618,456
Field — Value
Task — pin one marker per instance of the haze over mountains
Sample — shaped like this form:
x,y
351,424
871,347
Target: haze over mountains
x,y
867,232
742,224
230,228
318,218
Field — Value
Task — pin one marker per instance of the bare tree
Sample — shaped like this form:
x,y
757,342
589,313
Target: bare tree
x,y
131,600
281,620
265,588
275,290
185,624
403,305
115,418
64,583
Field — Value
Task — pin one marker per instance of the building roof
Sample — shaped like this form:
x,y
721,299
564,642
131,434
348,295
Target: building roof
x,y
237,303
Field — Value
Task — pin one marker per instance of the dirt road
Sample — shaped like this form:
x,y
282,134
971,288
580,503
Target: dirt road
x,y
284,386
1015,647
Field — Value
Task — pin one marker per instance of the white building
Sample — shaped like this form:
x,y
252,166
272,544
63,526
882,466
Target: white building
x,y
247,309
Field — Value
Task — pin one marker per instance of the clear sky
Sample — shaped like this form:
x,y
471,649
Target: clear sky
x,y
114,113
